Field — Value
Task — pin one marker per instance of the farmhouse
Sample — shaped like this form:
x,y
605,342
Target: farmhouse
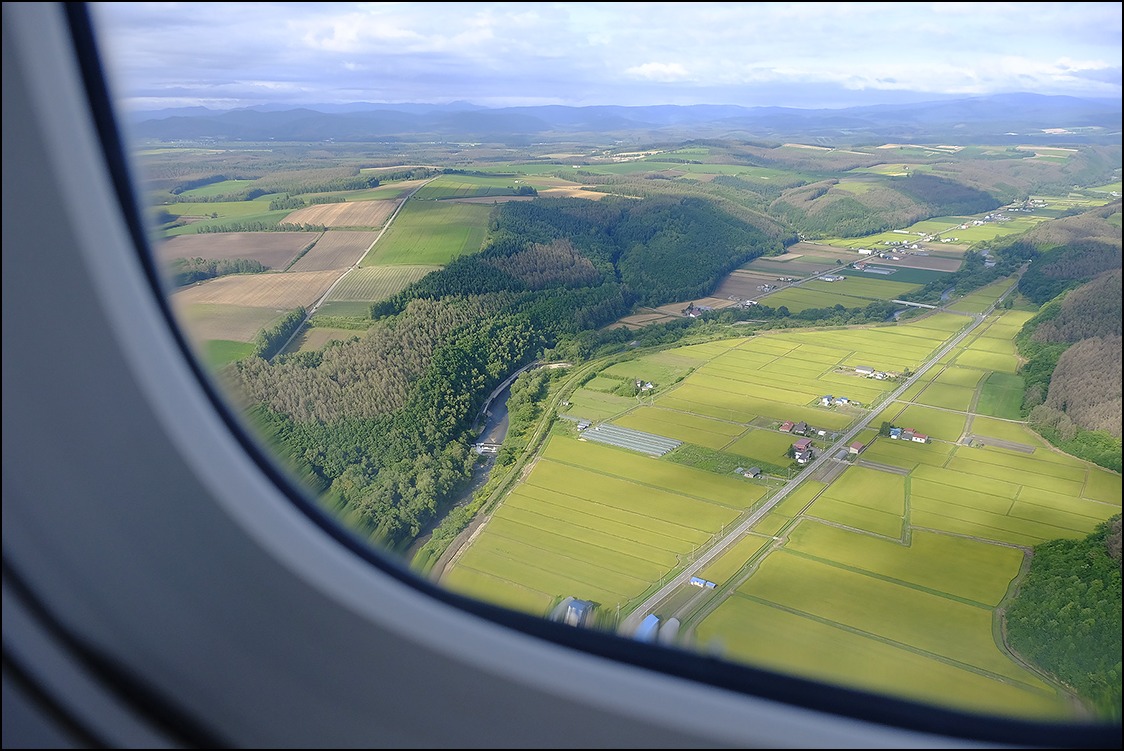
x,y
801,428
787,426
909,434
752,472
803,457
856,447
895,433
826,400
804,444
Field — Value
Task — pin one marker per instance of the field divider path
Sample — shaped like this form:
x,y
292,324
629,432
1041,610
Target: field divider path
x,y
629,623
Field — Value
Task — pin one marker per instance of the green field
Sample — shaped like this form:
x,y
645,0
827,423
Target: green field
x,y
828,620
430,233
229,212
345,308
900,275
946,396
764,445
219,352
884,575
218,189
797,299
759,632
864,287
622,522
597,406
682,426
466,186
1002,396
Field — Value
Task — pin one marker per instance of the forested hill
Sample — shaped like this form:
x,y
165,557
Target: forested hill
x,y
832,207
655,251
1072,346
1074,366
382,422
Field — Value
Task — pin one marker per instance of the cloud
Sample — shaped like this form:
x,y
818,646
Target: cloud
x,y
658,72
611,53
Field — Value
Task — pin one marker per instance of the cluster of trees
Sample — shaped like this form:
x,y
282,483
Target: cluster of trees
x,y
1067,614
185,271
260,226
780,317
272,339
287,202
322,180
554,264
198,182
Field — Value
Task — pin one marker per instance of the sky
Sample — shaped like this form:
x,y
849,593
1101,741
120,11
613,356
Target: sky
x,y
808,55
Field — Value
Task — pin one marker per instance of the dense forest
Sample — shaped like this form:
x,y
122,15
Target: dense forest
x,y
1067,619
1071,348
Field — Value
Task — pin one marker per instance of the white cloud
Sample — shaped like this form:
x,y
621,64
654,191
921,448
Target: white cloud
x,y
658,72
589,53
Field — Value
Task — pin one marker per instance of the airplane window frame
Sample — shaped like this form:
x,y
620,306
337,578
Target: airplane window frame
x,y
694,678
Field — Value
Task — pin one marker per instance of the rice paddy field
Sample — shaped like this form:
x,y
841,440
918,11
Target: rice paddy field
x,y
883,570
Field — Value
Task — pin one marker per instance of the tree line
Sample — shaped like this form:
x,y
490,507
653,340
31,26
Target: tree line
x,y
185,271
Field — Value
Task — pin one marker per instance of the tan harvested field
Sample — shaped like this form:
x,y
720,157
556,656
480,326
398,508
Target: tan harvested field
x,y
742,284
572,192
931,263
235,323
350,214
336,250
643,319
809,250
282,291
273,249
676,308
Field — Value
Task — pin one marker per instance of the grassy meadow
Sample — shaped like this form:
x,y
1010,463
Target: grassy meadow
x,y
430,233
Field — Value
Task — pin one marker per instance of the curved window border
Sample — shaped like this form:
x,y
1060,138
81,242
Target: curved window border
x,y
714,700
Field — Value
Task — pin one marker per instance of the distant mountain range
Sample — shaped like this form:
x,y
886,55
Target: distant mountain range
x,y
995,119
